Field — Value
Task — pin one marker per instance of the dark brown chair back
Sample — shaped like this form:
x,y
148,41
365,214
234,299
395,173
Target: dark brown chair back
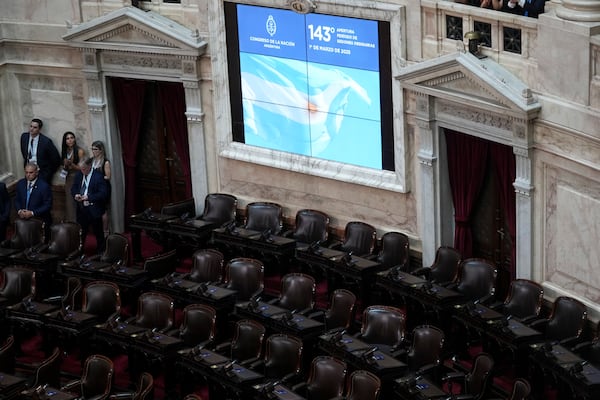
x,y
520,390
161,265
7,356
261,216
48,371
311,226
117,249
246,276
155,310
426,348
445,267
477,278
566,320
247,340
394,252
65,239
219,208
180,208
478,379
363,385
198,325
144,390
360,238
101,298
17,283
297,291
207,266
383,325
341,309
72,292
283,355
96,379
192,397
524,298
326,379
28,233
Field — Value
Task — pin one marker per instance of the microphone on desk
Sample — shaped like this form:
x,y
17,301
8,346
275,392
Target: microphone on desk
x,y
367,355
253,303
230,227
147,213
337,335
186,217
26,304
347,259
314,247
203,289
266,235
577,368
269,387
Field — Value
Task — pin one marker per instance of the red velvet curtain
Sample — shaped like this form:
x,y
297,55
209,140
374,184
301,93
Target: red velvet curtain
x,y
129,97
503,160
467,157
173,99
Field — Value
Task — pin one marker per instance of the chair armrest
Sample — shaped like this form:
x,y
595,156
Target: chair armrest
x,y
570,341
454,376
582,346
256,364
52,299
427,369
71,385
305,311
496,305
250,361
397,353
299,386
529,319
130,319
486,299
221,347
73,255
539,324
287,233
98,397
316,314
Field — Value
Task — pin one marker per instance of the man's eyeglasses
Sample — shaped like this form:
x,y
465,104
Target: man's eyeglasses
x,y
95,148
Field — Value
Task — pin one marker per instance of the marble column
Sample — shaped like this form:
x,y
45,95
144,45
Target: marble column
x,y
579,10
524,213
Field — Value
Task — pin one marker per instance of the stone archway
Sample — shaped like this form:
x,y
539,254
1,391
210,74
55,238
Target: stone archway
x,y
132,43
479,98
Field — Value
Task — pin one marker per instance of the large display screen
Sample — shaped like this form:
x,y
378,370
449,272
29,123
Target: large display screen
x,y
311,84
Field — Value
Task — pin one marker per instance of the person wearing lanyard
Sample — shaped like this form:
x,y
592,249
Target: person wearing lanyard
x,y
33,198
39,149
90,192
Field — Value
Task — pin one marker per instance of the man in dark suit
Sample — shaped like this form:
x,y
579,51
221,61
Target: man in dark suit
x,y
33,198
90,191
528,8
39,149
4,210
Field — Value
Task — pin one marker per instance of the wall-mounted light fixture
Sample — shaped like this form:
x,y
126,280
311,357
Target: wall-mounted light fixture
x,y
474,38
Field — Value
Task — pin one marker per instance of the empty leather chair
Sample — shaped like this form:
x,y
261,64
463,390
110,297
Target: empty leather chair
x,y
198,327
359,239
565,322
246,276
101,298
46,373
184,209
340,313
297,292
384,327
192,397
154,311
116,250
219,208
7,356
474,384
161,265
27,233
311,226
362,385
96,379
477,279
282,359
425,352
207,266
520,390
326,379
395,251
246,344
142,392
444,269
264,216
523,301
17,284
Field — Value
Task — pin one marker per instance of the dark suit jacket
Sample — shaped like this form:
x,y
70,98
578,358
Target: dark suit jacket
x,y
97,193
40,201
48,158
531,8
4,203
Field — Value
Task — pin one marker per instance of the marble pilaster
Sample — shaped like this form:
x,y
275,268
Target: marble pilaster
x,y
579,10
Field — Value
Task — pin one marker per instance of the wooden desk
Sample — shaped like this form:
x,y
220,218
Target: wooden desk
x,y
153,224
191,232
418,388
11,386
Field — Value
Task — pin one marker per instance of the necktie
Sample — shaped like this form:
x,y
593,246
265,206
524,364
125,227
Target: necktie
x,y
83,186
30,150
29,188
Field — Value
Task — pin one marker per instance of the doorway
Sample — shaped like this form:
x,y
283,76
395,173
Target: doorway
x,y
493,203
154,139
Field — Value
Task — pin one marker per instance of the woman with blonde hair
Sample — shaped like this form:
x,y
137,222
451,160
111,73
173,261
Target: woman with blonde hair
x,y
71,154
102,164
